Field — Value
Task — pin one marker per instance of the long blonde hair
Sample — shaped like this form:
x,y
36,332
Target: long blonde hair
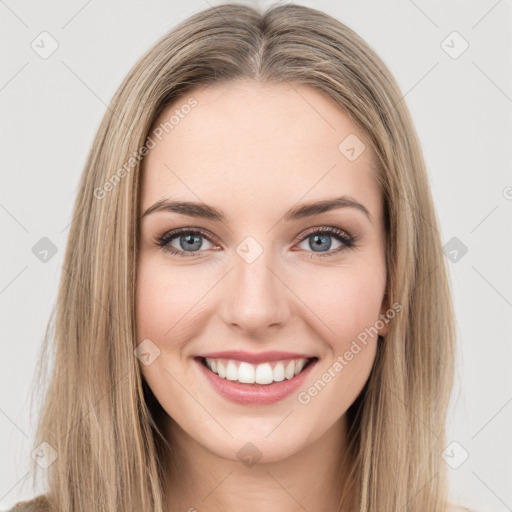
x,y
100,416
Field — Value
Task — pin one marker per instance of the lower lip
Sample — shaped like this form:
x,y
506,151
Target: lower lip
x,y
257,394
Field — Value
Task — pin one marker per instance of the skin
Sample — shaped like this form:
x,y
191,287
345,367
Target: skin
x,y
256,150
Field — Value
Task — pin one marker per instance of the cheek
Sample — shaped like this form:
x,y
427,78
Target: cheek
x,y
157,309
150,303
161,316
343,302
347,305
170,300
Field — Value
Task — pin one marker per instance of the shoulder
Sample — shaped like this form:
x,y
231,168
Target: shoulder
x,y
38,504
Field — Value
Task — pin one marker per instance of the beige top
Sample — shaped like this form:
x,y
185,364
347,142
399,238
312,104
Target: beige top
x,y
40,504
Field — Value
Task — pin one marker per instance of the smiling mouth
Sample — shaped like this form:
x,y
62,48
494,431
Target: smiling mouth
x,y
267,373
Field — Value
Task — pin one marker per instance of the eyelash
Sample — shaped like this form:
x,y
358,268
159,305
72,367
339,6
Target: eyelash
x,y
347,240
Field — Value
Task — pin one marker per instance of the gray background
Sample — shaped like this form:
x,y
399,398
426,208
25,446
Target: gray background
x,y
461,105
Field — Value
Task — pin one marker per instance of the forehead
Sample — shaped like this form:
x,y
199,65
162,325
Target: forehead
x,y
252,144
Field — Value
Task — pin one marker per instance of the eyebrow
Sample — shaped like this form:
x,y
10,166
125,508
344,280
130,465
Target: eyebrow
x,y
202,210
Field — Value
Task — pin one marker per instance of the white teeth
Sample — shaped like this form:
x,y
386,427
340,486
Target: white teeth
x,y
264,374
231,371
248,373
290,370
279,372
299,364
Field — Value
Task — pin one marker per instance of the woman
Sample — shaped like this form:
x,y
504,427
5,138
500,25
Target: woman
x,y
210,353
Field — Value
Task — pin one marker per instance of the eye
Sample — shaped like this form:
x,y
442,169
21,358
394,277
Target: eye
x,y
319,239
189,241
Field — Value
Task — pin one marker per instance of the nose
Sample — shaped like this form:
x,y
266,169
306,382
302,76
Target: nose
x,y
254,298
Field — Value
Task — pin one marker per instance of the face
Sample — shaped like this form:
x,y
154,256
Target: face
x,y
259,279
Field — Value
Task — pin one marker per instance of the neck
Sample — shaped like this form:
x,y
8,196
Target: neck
x,y
313,478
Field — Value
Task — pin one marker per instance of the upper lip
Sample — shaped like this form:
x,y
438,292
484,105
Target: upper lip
x,y
260,357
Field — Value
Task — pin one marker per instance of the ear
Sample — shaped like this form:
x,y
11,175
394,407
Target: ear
x,y
382,316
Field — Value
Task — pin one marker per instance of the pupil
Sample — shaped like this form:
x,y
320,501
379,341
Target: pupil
x,y
190,240
318,239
